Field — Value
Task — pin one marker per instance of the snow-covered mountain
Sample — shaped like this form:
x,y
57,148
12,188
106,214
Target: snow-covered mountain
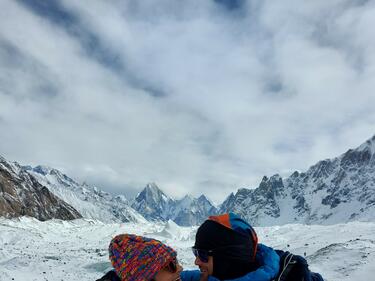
x,y
155,205
93,203
21,194
332,191
192,211
90,201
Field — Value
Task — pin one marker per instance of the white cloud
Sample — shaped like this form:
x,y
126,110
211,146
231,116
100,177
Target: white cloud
x,y
274,88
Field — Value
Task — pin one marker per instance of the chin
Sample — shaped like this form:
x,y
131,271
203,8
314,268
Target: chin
x,y
203,270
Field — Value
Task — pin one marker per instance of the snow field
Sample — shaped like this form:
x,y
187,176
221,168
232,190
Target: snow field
x,y
77,250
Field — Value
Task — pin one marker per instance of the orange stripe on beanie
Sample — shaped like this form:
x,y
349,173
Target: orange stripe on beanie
x,y
236,223
222,219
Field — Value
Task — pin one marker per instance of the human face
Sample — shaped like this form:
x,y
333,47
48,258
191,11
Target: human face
x,y
206,268
166,274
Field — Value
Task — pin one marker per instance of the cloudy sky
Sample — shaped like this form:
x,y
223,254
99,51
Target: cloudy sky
x,y
197,96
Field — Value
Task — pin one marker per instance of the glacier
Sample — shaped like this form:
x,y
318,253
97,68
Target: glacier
x,y
58,250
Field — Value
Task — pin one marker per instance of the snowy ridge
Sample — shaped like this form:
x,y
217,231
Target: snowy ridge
x,y
368,145
91,202
21,194
332,191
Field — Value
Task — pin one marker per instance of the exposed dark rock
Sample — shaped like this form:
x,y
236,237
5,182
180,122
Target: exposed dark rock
x,y
23,195
313,196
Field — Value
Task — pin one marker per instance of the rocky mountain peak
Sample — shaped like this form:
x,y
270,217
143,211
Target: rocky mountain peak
x,y
187,199
2,158
23,194
231,196
228,203
204,200
40,169
152,187
271,185
264,179
152,203
152,194
322,169
368,145
361,156
295,174
53,175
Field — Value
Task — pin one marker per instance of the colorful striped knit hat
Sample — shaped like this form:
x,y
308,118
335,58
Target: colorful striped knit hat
x,y
137,258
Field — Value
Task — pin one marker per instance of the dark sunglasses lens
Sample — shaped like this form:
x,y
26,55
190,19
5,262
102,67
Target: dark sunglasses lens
x,y
201,254
172,266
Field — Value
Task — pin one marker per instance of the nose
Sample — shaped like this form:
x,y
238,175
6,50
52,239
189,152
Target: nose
x,y
197,261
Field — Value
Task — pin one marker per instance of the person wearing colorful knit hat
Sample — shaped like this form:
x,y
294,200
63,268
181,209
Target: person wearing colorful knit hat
x,y
226,247
137,258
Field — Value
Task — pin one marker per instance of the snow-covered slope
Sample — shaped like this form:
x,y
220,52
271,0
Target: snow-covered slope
x,y
332,191
21,194
155,205
77,250
90,201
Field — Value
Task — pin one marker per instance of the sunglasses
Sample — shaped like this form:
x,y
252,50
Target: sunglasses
x,y
202,254
171,266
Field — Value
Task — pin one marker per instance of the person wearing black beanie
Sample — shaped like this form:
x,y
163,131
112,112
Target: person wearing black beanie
x,y
230,250
226,247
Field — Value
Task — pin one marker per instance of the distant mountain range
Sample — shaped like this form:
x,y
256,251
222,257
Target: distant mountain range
x,y
153,204
332,191
89,201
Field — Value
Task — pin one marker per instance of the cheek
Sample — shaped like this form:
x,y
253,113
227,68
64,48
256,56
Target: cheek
x,y
164,276
210,265
159,276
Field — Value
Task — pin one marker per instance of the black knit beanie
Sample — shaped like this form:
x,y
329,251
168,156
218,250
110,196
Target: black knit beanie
x,y
232,255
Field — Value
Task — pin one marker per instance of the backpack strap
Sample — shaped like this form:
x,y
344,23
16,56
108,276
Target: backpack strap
x,y
316,277
287,266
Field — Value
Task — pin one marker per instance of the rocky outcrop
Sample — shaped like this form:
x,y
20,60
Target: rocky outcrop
x,y
22,195
332,191
90,201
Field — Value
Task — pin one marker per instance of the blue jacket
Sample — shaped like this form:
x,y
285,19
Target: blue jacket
x,y
266,257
